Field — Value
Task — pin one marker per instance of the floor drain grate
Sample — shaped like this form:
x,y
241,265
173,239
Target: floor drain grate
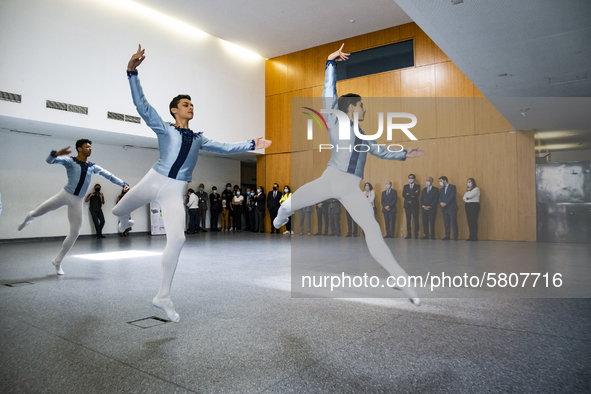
x,y
148,322
18,284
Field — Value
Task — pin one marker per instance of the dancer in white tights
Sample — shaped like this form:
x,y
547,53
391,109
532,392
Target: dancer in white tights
x,y
341,178
165,183
79,171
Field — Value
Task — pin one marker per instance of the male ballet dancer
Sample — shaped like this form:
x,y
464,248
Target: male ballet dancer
x,y
79,171
166,181
341,178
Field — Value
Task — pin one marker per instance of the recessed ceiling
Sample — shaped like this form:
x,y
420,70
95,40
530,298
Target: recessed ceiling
x,y
272,28
521,54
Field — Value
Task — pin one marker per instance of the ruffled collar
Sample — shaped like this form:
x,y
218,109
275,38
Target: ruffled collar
x,y
82,163
186,133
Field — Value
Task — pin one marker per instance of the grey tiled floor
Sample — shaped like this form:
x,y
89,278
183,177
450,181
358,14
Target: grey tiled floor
x,y
241,332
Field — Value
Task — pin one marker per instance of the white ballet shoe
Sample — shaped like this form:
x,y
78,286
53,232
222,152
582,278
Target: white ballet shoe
x,y
166,305
25,223
125,224
415,301
58,268
278,224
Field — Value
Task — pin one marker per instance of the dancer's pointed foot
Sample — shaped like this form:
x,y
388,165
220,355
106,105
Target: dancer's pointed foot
x,y
124,224
166,305
415,301
58,267
25,222
280,223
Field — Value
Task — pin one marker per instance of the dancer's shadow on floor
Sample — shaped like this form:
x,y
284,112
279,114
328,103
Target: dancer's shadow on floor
x,y
43,279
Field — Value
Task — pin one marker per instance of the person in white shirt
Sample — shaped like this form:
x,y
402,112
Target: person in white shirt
x,y
371,196
237,210
472,200
193,206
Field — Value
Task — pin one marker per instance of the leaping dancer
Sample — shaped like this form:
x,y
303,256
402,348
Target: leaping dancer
x,y
79,171
166,181
341,178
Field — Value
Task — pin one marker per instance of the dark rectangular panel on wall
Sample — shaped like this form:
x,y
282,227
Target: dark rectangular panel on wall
x,y
377,60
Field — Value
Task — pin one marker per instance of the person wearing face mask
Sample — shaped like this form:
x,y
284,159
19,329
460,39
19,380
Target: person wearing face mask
x,y
215,202
389,199
273,204
193,207
202,197
250,207
227,196
284,197
411,193
97,200
472,200
259,218
449,207
237,201
429,201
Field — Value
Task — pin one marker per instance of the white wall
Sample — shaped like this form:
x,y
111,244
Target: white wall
x,y
76,52
26,181
570,155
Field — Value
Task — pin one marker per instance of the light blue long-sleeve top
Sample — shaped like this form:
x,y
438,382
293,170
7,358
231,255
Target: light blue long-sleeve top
x,y
79,173
345,159
179,148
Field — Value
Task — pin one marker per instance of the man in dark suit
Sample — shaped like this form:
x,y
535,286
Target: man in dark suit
x,y
334,213
389,198
322,213
449,207
273,204
411,193
215,201
429,201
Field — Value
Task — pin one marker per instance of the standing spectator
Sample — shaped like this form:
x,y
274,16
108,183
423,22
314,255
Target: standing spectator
x,y
472,200
119,197
193,206
233,226
251,204
305,215
273,204
411,193
389,199
284,197
215,202
225,216
334,213
429,200
96,202
449,207
227,196
322,214
371,196
259,199
351,225
245,210
237,201
202,196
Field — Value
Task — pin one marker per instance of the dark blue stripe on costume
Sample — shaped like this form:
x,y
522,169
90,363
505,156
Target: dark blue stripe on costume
x,y
83,172
354,157
187,142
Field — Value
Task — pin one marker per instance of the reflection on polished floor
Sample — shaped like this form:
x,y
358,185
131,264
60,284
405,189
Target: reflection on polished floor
x,y
241,332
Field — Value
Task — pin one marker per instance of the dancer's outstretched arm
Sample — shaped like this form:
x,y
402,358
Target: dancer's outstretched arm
x,y
225,148
54,156
146,111
107,175
329,94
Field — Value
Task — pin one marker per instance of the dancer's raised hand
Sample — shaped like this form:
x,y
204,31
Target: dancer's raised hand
x,y
260,143
414,152
65,151
136,59
125,189
339,55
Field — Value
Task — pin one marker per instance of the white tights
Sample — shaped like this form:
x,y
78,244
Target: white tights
x,y
74,204
345,187
168,193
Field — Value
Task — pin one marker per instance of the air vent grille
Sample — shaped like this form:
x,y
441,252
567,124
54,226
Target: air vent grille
x,y
78,109
123,117
12,97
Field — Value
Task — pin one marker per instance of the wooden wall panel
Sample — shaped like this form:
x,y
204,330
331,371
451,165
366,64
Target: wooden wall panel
x,y
276,75
277,123
261,171
487,119
424,49
383,37
526,185
451,82
407,30
418,82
